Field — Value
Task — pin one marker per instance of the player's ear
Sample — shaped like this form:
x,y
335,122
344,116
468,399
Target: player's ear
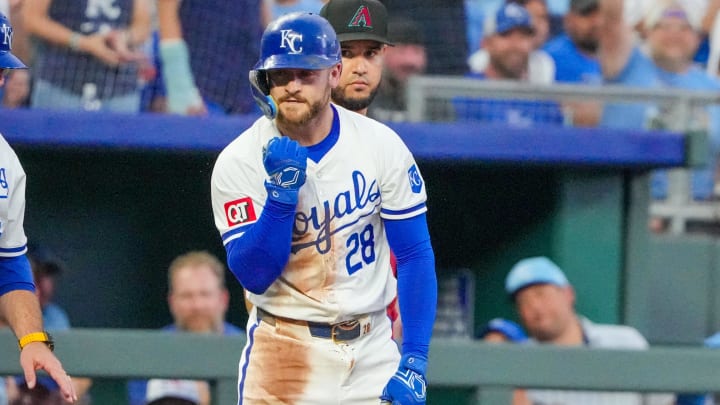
x,y
335,73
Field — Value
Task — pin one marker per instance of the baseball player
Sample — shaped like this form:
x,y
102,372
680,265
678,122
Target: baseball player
x,y
361,28
308,202
18,303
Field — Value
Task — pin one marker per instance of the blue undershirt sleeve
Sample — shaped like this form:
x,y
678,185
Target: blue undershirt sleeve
x,y
259,256
15,274
409,240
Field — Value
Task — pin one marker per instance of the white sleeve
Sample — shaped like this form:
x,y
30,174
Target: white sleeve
x,y
237,192
12,203
402,185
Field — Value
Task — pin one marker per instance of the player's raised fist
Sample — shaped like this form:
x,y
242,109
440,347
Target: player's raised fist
x,y
285,162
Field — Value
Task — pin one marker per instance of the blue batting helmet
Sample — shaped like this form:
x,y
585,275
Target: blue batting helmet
x,y
293,41
7,59
299,41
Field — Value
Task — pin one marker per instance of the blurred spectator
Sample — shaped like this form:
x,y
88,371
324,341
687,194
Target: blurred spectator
x,y
206,49
278,8
708,53
712,342
575,56
575,51
20,44
476,12
46,268
16,93
540,67
538,10
545,301
40,395
502,330
665,59
198,302
508,41
405,58
177,392
87,57
444,31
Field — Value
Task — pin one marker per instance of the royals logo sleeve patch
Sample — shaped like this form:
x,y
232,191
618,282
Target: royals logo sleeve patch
x,y
416,181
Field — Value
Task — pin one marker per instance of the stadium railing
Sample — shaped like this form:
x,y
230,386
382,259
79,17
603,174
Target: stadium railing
x,y
430,98
490,370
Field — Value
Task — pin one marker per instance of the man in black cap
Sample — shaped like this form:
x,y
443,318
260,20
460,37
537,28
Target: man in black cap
x,y
361,27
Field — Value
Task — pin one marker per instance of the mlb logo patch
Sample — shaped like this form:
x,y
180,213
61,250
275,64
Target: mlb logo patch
x,y
416,182
240,211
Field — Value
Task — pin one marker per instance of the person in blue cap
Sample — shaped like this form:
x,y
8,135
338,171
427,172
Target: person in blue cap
x,y
502,330
545,301
19,305
711,342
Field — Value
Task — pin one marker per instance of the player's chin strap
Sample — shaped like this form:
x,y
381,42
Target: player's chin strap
x,y
261,93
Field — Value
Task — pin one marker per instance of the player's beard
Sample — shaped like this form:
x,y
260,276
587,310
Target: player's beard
x,y
353,103
313,111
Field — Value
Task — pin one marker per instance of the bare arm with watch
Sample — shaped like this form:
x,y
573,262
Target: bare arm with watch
x,y
22,312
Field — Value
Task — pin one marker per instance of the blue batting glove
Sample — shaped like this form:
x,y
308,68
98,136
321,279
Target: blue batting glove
x,y
408,385
285,162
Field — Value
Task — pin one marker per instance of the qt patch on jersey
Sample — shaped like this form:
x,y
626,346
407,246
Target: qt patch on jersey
x,y
240,211
416,181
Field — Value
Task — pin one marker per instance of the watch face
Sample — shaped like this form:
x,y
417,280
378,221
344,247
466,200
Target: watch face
x,y
50,342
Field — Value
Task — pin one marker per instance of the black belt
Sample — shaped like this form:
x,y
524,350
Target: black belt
x,y
343,331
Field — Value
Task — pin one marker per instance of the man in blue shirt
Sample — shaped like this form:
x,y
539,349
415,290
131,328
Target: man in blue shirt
x,y
672,36
575,51
508,41
575,55
198,301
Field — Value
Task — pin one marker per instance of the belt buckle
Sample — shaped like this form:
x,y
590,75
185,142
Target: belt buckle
x,y
349,325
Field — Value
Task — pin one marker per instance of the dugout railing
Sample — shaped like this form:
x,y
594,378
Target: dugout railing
x,y
430,98
488,371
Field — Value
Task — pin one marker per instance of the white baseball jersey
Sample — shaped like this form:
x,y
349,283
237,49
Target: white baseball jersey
x,y
603,337
12,203
339,265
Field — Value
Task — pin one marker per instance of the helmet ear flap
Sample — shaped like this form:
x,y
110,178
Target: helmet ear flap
x,y
260,86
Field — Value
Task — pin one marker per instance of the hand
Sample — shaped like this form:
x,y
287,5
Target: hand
x,y
36,356
285,162
408,385
119,41
97,45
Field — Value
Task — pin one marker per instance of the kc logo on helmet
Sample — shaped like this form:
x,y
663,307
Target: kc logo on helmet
x,y
240,211
288,40
7,32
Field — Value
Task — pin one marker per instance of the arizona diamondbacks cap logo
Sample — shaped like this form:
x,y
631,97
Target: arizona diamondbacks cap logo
x,y
361,18
291,40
